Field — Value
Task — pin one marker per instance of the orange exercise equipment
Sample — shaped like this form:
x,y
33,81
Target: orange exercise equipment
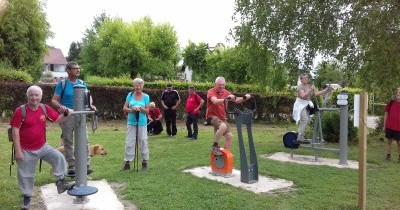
x,y
222,165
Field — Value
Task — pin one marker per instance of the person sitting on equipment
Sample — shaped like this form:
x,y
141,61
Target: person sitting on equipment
x,y
216,114
154,125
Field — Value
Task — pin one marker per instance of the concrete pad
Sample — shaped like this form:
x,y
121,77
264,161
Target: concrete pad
x,y
105,198
310,160
264,184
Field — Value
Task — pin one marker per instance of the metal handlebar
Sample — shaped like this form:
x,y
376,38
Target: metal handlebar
x,y
236,110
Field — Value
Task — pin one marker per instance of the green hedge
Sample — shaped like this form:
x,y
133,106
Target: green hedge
x,y
110,100
270,108
8,74
126,81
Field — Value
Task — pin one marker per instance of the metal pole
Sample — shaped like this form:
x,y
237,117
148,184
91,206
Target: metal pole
x,y
80,137
344,121
81,190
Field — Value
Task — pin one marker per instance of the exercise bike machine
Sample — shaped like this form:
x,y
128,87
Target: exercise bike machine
x,y
222,165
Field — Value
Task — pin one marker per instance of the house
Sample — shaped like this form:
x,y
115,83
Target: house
x,y
54,64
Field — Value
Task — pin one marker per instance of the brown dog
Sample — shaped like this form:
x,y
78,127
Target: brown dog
x,y
96,149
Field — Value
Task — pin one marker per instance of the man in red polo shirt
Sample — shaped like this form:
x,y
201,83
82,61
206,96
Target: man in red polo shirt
x,y
154,125
193,104
29,136
216,115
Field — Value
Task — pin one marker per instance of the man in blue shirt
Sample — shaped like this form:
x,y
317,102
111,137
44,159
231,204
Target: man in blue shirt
x,y
63,98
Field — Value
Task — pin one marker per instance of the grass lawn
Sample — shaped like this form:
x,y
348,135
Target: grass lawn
x,y
165,186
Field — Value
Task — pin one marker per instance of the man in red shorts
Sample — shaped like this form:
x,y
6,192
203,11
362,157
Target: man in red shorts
x,y
216,115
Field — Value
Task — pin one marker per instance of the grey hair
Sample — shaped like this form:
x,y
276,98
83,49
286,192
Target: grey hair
x,y
138,81
219,79
303,75
32,88
70,64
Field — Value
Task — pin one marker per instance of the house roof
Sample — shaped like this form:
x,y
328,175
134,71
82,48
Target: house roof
x,y
54,56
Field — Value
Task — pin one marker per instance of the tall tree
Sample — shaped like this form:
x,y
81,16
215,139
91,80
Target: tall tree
x,y
329,72
23,34
74,51
89,53
361,34
195,57
139,47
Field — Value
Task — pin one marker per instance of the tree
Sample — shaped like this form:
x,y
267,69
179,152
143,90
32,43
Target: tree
x,y
23,34
130,48
229,62
74,51
362,35
89,53
328,72
195,57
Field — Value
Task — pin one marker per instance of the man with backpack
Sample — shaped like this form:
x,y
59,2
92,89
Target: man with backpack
x,y
63,99
29,138
391,125
193,105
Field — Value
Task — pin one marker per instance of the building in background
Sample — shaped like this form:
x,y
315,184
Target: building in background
x,y
54,66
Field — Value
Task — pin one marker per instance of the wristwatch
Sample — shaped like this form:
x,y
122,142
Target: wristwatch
x,y
66,112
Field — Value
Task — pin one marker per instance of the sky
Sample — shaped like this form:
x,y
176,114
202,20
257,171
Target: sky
x,y
206,21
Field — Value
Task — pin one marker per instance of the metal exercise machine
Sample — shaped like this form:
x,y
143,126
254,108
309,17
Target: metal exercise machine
x,y
223,164
290,138
81,109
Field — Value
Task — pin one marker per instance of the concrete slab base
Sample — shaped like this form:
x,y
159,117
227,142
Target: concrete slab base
x,y
105,198
310,160
264,184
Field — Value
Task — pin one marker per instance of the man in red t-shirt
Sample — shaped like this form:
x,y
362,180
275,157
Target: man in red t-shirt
x,y
29,137
216,115
193,104
154,125
391,125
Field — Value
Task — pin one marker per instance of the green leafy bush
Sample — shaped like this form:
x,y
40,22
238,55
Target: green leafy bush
x,y
331,128
126,81
9,74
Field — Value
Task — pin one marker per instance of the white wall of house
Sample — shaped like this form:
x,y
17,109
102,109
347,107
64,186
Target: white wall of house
x,y
54,67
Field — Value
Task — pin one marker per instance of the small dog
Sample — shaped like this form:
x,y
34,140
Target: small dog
x,y
96,149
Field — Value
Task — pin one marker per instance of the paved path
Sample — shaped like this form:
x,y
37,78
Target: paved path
x,y
371,121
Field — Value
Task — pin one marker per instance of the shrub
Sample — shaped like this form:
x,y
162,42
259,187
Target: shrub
x,y
9,74
331,128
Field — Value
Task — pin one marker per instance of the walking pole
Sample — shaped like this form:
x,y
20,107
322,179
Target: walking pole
x,y
136,158
12,157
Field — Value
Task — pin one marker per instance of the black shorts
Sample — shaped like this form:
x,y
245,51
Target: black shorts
x,y
392,134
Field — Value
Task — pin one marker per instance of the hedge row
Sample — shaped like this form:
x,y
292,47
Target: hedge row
x,y
110,100
269,108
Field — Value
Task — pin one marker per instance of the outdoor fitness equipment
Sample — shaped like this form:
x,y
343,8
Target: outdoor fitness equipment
x,y
81,108
136,157
290,138
223,164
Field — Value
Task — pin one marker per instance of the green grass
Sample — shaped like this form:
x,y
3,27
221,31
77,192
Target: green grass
x,y
166,186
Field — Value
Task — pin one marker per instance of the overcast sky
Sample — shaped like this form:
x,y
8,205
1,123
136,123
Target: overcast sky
x,y
196,20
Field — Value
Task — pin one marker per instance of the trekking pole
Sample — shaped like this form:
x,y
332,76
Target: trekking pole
x,y
12,157
136,158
